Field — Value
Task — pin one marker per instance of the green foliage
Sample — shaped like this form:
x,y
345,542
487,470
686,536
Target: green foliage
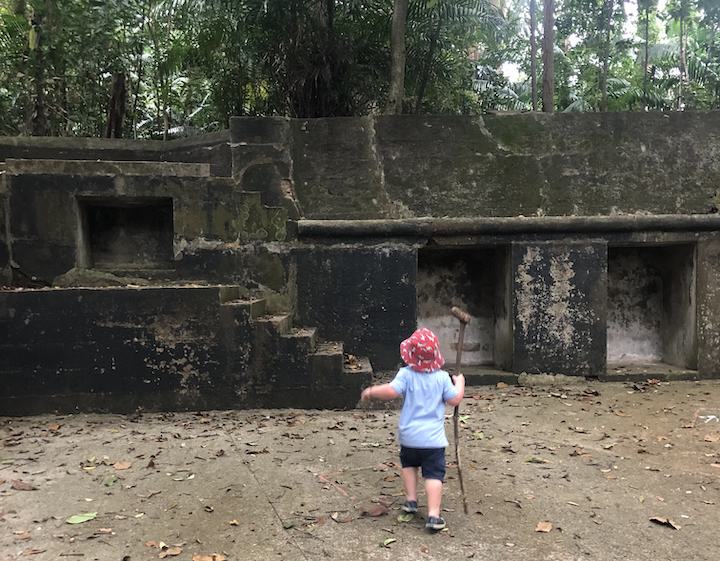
x,y
189,65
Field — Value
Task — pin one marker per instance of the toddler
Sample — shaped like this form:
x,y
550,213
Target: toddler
x,y
426,389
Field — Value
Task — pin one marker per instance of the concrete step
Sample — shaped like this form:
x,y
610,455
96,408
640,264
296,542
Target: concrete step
x,y
358,366
255,307
302,338
326,363
279,323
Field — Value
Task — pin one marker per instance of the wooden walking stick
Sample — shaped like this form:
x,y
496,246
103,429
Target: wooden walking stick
x,y
464,318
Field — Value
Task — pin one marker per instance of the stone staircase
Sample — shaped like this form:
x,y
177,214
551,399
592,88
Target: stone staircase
x,y
290,366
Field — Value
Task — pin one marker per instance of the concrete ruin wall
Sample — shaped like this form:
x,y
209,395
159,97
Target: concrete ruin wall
x,y
491,165
471,278
363,296
574,241
158,348
214,232
119,347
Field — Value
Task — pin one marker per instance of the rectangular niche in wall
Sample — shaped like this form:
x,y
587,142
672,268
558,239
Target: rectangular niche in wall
x,y
652,307
126,233
478,280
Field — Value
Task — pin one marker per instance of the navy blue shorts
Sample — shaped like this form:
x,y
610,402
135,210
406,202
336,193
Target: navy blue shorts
x,y
431,460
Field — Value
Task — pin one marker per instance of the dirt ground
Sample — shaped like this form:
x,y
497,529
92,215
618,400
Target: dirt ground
x,y
595,461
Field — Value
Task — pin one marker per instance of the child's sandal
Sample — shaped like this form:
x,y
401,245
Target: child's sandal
x,y
435,523
410,507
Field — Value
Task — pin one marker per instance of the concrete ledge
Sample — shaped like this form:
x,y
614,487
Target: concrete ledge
x,y
635,376
111,168
427,227
93,143
479,376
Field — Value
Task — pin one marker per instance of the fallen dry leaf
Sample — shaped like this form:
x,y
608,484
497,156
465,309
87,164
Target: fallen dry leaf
x,y
544,527
341,519
122,465
234,523
20,485
22,535
54,427
153,543
375,510
664,522
712,437
211,557
170,552
501,385
32,551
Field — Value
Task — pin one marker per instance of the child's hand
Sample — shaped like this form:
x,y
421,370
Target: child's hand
x,y
458,379
365,395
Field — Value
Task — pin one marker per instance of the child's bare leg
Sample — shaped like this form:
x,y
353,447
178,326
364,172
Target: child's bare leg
x,y
409,477
433,488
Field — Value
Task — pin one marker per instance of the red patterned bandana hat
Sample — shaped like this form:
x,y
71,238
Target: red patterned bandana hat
x,y
421,351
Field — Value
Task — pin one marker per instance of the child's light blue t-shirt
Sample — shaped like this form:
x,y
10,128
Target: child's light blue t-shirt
x,y
422,419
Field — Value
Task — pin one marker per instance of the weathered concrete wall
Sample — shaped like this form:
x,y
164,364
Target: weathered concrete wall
x,y
546,287
635,307
504,313
46,220
708,306
261,160
652,305
363,296
560,305
161,348
467,278
492,165
4,247
213,149
680,306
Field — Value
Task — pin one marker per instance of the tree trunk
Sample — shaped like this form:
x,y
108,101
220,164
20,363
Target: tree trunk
x,y
166,122
38,117
116,107
533,53
20,69
647,52
330,8
425,77
332,105
548,55
397,58
607,21
682,55
139,74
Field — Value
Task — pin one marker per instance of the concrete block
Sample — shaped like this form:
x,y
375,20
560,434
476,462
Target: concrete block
x,y
559,303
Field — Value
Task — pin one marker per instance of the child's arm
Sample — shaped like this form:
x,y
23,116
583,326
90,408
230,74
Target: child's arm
x,y
459,382
382,391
